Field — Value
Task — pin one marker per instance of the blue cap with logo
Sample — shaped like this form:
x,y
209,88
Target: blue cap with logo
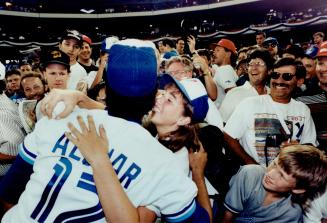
x,y
193,91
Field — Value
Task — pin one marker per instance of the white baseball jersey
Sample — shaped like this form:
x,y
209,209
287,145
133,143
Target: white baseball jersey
x,y
61,188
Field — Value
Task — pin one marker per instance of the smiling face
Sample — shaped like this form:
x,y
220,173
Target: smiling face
x,y
276,180
257,71
281,89
168,111
178,71
85,52
33,88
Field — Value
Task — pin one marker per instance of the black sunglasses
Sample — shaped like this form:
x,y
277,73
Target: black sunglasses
x,y
285,76
268,45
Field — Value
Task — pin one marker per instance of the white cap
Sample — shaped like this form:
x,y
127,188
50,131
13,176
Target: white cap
x,y
2,71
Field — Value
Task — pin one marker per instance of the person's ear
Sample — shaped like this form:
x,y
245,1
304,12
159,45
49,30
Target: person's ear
x,y
298,191
182,121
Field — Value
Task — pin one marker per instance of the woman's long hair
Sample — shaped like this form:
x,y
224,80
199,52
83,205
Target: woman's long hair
x,y
186,135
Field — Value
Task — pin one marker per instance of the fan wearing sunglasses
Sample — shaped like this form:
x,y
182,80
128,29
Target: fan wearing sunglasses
x,y
271,44
261,125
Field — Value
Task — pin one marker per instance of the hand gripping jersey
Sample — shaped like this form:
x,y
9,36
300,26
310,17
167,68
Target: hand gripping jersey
x,y
61,188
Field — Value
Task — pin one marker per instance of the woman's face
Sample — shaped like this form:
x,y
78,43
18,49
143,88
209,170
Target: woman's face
x,y
169,108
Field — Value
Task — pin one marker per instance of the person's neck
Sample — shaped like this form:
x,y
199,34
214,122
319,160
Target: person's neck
x,y
226,61
261,89
163,131
281,100
72,62
86,62
271,197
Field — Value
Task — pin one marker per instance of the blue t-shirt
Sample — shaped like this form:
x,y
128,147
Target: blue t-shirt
x,y
246,195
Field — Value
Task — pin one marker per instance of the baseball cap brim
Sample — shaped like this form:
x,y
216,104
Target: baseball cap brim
x,y
56,62
165,79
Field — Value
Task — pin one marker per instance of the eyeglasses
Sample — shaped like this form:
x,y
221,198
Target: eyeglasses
x,y
177,73
285,76
256,64
272,45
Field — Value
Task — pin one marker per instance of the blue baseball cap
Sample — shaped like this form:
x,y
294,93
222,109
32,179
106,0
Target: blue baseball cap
x,y
107,43
270,40
132,68
193,91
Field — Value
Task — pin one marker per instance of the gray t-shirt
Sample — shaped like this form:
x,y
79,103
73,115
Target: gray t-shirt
x,y
247,193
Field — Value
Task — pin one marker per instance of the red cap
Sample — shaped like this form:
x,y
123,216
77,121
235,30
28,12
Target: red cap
x,y
322,50
226,43
87,39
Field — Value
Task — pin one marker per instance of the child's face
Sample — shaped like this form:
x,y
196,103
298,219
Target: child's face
x,y
277,180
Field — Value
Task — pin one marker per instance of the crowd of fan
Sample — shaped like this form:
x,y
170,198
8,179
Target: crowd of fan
x,y
251,121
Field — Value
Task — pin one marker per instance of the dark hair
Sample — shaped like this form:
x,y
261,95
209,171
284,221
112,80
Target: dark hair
x,y
12,72
264,55
168,42
261,33
233,58
33,74
185,135
300,71
295,50
93,92
205,52
308,165
178,39
130,108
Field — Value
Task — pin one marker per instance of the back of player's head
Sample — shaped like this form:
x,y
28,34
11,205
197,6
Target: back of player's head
x,y
308,165
131,78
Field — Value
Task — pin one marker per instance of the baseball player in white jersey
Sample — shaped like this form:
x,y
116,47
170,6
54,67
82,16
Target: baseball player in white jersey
x,y
60,185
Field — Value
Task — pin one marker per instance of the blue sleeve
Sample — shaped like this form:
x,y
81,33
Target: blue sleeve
x,y
14,182
199,215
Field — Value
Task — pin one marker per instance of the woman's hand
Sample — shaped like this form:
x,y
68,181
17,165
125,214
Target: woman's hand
x,y
93,146
198,161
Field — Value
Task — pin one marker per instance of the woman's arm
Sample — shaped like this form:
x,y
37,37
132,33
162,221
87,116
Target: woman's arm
x,y
94,147
198,161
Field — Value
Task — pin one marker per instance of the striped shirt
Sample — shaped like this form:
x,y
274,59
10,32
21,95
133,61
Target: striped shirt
x,y
11,130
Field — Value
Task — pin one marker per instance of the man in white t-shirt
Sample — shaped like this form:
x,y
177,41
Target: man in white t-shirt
x,y
224,58
71,43
260,124
260,64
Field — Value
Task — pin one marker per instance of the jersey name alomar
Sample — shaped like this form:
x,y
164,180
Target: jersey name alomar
x,y
62,187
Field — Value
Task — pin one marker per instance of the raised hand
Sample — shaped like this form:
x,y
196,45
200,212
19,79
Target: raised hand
x,y
93,146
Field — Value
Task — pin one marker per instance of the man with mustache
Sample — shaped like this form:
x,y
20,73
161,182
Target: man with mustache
x,y
261,125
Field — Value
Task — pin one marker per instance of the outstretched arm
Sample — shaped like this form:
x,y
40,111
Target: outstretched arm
x,y
238,150
71,98
94,147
